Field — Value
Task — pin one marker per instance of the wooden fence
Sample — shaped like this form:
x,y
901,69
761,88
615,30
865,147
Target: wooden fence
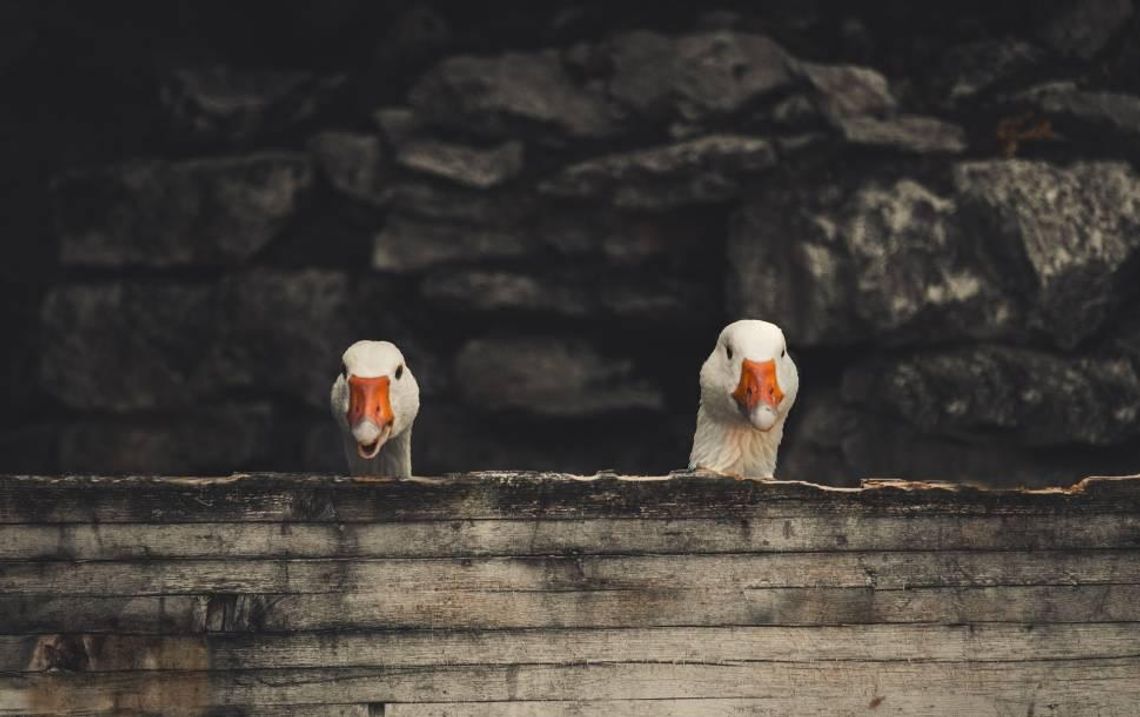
x,y
538,594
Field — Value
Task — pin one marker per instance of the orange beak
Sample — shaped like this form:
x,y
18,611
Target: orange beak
x,y
368,401
757,383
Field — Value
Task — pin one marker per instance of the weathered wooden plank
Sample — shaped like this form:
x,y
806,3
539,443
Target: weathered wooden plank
x,y
163,614
1070,687
875,643
909,704
558,573
600,536
172,615
276,498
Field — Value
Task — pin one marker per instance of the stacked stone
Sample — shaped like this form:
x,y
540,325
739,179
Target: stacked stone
x,y
554,236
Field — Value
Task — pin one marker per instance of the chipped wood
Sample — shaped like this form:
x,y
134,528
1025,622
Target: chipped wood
x,y
534,594
286,498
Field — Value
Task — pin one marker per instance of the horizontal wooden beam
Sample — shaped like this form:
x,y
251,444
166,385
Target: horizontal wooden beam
x,y
1069,686
598,536
918,642
293,498
441,610
749,571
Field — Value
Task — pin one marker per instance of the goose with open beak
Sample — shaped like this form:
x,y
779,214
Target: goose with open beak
x,y
748,386
375,400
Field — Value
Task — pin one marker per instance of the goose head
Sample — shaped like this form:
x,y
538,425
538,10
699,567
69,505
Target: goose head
x,y
375,398
748,385
749,377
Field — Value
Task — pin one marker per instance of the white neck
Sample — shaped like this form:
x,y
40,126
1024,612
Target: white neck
x,y
394,459
735,446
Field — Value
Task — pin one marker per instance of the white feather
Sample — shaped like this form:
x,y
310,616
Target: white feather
x,y
725,440
373,359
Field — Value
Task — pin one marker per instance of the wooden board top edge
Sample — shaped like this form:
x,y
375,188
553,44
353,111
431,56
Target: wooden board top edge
x,y
507,479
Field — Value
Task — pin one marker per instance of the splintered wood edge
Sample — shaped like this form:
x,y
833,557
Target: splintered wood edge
x,y
506,478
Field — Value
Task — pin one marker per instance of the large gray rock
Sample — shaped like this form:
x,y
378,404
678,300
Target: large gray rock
x,y
838,263
206,211
833,442
708,169
549,376
1068,235
354,164
705,78
695,77
126,346
498,96
1033,397
221,104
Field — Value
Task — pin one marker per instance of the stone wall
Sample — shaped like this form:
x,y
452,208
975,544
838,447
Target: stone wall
x,y
553,210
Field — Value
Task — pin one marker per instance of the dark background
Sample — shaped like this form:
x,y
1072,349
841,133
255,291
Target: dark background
x,y
553,208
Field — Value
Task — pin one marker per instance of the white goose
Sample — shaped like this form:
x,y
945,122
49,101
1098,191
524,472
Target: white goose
x,y
375,400
748,386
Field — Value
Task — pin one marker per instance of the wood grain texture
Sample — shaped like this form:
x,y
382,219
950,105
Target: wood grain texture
x,y
873,643
181,615
1110,685
542,594
277,498
887,570
598,536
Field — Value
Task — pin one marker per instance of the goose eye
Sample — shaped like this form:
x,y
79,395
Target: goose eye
x,y
399,372
784,352
728,351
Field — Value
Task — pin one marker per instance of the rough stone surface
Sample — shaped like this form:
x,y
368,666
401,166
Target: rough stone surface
x,y
208,211
840,264
617,185
1071,234
905,133
843,91
1040,398
709,169
574,294
354,164
469,166
221,104
199,442
119,347
1082,28
407,244
549,376
281,332
1087,117
968,70
695,77
497,96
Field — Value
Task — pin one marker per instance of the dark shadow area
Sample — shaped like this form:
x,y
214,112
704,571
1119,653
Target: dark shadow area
x,y
203,203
